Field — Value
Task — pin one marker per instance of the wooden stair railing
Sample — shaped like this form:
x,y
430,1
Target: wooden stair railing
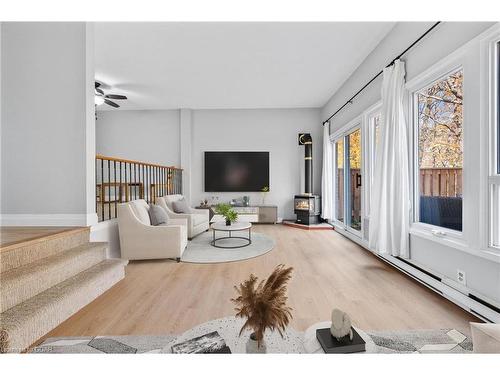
x,y
122,180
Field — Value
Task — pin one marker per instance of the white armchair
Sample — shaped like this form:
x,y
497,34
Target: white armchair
x,y
140,240
198,220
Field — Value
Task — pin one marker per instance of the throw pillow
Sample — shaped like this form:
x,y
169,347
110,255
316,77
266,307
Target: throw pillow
x,y
157,215
180,206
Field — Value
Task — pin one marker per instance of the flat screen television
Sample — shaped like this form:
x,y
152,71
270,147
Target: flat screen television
x,y
236,171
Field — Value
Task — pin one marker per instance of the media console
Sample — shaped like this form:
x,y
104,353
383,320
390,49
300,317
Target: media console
x,y
253,214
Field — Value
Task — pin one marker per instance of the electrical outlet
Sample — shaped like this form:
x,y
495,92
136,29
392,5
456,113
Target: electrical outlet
x,y
461,277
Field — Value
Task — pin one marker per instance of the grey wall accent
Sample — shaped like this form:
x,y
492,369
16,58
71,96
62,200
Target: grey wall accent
x,y
44,118
443,40
273,130
186,140
149,136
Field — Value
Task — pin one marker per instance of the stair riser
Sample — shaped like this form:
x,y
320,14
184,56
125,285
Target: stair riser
x,y
20,289
23,333
33,251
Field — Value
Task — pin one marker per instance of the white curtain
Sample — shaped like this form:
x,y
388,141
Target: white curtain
x,y
390,194
327,175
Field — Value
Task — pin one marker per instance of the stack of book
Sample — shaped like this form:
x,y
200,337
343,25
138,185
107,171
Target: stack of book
x,y
331,345
210,343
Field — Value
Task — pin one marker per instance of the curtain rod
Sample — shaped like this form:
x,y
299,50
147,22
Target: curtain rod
x,y
379,73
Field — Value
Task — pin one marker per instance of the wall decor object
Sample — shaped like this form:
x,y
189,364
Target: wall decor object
x,y
263,305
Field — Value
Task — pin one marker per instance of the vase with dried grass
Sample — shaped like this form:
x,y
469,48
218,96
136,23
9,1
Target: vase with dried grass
x,y
263,304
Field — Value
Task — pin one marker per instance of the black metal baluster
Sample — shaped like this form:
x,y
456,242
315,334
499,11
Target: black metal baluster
x,y
109,190
114,183
135,181
102,190
96,180
120,186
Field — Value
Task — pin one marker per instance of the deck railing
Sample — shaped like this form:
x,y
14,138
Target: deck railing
x,y
122,180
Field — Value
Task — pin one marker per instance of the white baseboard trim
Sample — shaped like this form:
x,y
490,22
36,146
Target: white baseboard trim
x,y
50,220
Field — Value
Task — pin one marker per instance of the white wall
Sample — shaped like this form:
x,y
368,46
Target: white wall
x,y
273,130
483,275
156,136
45,123
149,136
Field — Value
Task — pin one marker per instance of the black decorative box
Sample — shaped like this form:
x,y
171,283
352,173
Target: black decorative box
x,y
331,345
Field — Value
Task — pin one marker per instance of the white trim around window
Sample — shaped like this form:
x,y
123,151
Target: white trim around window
x,y
490,147
343,132
448,65
368,129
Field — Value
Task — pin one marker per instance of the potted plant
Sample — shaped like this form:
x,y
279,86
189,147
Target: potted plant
x,y
264,191
264,306
227,211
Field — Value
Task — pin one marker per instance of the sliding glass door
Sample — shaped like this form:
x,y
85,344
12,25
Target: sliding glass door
x,y
339,180
354,179
348,178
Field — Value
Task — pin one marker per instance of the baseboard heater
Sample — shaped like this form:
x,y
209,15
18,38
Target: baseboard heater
x,y
485,303
450,292
413,276
420,269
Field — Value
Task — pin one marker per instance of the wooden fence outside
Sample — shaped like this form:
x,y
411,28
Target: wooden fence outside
x,y
442,182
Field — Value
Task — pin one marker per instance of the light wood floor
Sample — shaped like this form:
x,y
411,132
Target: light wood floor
x,y
159,297
13,235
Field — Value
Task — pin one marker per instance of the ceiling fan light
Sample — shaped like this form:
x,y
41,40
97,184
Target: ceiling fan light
x,y
98,99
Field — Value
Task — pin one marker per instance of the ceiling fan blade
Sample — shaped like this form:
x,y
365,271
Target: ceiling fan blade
x,y
99,91
118,97
112,104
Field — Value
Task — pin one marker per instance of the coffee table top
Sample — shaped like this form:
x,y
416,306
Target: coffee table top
x,y
221,225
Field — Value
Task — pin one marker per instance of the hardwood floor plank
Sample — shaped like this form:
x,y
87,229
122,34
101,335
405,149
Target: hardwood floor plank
x,y
160,297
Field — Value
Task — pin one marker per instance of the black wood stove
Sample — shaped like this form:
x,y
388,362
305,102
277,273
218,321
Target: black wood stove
x,y
307,206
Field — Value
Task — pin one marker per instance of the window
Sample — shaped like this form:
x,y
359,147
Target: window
x,y
348,172
439,117
339,180
494,178
354,179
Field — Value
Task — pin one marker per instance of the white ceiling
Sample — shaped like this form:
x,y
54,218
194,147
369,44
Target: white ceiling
x,y
230,65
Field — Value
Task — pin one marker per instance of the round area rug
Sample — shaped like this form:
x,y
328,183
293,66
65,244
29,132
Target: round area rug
x,y
199,249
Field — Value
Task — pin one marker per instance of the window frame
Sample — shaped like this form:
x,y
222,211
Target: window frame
x,y
449,237
343,132
490,129
369,151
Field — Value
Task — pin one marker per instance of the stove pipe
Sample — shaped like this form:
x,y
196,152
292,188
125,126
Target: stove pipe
x,y
305,139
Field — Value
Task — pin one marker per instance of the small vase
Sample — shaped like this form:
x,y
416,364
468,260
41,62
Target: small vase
x,y
253,347
228,222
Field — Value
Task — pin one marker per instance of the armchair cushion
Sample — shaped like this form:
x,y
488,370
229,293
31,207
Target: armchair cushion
x,y
141,210
180,206
157,215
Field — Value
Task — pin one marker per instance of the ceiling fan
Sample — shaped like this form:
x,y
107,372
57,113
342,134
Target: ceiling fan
x,y
101,98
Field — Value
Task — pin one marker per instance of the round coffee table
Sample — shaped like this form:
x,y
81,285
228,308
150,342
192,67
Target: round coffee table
x,y
312,345
234,227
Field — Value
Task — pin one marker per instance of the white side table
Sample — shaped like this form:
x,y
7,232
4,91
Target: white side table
x,y
312,345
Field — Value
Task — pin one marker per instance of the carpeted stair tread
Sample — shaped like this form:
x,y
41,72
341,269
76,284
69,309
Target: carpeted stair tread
x,y
23,324
20,254
21,283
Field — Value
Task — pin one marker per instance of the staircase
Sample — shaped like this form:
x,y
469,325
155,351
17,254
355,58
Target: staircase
x,y
45,281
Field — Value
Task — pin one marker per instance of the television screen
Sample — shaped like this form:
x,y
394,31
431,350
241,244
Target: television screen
x,y
236,171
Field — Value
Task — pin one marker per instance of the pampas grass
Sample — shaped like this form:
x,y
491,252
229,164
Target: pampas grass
x,y
264,304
